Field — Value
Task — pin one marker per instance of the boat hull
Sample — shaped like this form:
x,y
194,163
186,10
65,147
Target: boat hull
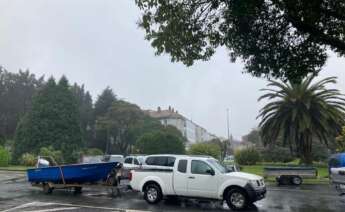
x,y
76,173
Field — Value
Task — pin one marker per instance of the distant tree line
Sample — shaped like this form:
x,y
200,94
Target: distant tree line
x,y
16,91
63,120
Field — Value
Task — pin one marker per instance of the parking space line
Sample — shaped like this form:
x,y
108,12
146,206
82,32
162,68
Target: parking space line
x,y
54,209
88,206
70,207
30,204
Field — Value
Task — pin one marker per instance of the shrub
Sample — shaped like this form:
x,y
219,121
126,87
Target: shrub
x,y
320,152
2,140
160,142
50,152
92,151
276,154
4,156
210,149
247,156
28,159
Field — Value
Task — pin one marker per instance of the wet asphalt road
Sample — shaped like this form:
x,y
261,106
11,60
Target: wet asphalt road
x,y
17,195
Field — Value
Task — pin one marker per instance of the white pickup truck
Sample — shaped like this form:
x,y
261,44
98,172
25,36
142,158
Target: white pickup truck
x,y
197,177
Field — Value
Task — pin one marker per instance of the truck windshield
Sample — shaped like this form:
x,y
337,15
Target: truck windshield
x,y
218,166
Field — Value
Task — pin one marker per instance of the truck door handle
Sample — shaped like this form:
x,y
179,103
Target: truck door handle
x,y
191,177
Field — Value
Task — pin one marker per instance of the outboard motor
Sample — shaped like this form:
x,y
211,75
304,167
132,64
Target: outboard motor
x,y
42,163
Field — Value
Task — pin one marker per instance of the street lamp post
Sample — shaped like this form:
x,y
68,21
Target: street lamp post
x,y
107,144
228,125
228,129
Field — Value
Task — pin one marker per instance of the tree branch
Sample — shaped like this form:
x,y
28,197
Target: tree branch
x,y
324,38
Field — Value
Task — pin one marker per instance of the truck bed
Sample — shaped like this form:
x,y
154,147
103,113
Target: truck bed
x,y
140,176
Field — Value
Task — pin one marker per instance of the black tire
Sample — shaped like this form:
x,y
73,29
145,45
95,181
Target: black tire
x,y
153,193
78,190
284,180
296,180
47,189
237,199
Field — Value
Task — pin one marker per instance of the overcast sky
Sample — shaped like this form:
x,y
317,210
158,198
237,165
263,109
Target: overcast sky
x,y
97,43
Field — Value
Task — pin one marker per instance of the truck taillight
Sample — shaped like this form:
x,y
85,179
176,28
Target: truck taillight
x,y
130,176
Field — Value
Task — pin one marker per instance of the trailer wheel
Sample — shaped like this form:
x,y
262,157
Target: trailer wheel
x,y
47,189
283,180
296,180
78,190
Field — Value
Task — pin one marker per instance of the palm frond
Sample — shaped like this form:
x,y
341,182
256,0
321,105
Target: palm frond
x,y
302,111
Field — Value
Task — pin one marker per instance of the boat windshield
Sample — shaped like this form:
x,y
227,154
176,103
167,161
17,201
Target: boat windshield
x,y
215,163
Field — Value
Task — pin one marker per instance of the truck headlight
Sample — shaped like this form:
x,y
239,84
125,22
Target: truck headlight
x,y
257,183
253,183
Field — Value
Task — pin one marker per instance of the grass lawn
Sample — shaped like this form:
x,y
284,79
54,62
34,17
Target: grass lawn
x,y
14,168
259,169
254,169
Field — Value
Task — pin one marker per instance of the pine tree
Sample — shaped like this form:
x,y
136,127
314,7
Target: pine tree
x,y
85,107
53,121
16,91
102,106
104,102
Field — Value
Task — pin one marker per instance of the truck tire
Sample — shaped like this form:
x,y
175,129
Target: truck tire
x,y
296,180
153,193
237,199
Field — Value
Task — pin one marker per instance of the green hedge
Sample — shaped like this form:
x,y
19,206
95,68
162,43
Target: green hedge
x,y
276,154
4,157
205,149
247,156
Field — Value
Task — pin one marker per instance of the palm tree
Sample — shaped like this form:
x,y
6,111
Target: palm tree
x,y
299,113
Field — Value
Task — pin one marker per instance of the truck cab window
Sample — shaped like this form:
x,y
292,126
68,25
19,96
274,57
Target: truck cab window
x,y
182,166
128,160
161,161
200,167
136,162
170,161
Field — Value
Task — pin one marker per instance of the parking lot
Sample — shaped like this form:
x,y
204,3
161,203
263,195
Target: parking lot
x,y
18,195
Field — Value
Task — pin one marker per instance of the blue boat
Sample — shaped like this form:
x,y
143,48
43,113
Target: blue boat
x,y
69,174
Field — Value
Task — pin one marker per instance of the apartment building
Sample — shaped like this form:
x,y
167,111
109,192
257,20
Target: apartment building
x,y
192,131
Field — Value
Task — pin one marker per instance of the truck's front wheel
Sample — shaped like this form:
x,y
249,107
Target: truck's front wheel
x,y
237,199
153,194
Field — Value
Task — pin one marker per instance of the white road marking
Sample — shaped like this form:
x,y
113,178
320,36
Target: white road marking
x,y
54,209
30,204
71,207
19,207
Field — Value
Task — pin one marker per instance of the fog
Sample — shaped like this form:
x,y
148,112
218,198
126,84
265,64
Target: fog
x,y
98,43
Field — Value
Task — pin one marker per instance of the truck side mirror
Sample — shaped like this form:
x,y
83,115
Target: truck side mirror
x,y
211,172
